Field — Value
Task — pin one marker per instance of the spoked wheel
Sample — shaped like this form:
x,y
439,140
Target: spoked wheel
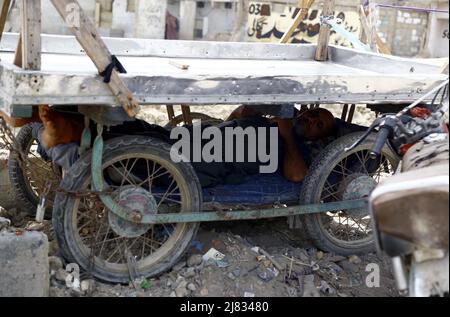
x,y
337,175
141,176
36,175
179,120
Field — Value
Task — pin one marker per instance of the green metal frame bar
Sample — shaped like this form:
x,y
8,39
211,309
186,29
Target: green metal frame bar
x,y
255,214
98,185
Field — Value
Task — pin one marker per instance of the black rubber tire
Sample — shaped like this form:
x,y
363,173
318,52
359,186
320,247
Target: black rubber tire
x,y
311,194
80,173
27,199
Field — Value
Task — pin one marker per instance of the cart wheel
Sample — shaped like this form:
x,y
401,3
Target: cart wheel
x,y
142,176
30,180
195,117
337,175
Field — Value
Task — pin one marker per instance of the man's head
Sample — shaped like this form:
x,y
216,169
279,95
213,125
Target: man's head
x,y
315,124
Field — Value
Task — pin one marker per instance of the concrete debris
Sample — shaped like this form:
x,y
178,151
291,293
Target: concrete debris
x,y
231,276
4,223
24,265
204,292
195,260
35,226
181,290
327,288
178,267
189,272
354,259
192,287
88,286
3,212
267,274
55,264
309,287
61,275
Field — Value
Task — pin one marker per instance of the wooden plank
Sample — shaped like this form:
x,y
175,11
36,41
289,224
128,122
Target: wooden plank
x,y
98,13
188,13
324,34
368,33
18,56
344,112
187,116
301,15
444,68
31,34
4,5
170,113
89,38
351,114
372,15
382,47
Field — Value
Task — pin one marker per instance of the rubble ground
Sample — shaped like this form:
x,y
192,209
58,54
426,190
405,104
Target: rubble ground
x,y
260,258
245,273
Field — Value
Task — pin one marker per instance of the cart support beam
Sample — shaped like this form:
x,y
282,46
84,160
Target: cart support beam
x,y
325,29
301,15
90,40
4,7
31,34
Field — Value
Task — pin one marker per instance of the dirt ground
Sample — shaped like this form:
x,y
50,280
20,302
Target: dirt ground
x,y
243,272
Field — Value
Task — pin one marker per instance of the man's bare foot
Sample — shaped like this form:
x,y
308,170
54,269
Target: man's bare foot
x,y
59,128
20,122
243,112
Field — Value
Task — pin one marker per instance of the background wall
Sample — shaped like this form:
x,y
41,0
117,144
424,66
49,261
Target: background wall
x,y
406,33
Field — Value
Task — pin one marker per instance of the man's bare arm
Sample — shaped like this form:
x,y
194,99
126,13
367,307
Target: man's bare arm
x,y
294,165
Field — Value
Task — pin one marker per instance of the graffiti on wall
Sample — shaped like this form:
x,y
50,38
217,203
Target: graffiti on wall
x,y
266,25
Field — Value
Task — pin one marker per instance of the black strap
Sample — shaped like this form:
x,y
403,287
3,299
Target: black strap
x,y
115,64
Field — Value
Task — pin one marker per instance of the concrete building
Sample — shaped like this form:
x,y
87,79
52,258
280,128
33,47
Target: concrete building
x,y
405,32
415,32
437,43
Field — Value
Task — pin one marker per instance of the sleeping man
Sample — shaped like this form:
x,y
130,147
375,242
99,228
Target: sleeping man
x,y
59,135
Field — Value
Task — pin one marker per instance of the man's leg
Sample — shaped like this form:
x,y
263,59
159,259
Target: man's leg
x,y
64,155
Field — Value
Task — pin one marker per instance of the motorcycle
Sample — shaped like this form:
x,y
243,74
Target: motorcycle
x,y
411,209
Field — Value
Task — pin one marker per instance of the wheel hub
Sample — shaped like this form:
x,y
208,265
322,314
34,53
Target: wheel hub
x,y
140,201
358,186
